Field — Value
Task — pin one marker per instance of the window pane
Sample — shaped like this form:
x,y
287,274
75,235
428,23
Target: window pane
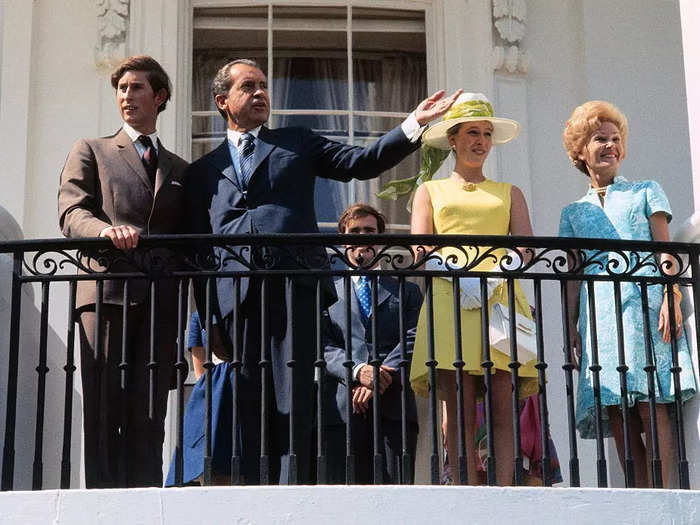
x,y
309,82
389,69
332,126
331,197
389,83
207,133
366,191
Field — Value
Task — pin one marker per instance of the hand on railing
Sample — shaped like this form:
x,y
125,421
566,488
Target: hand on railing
x,y
665,317
576,348
124,236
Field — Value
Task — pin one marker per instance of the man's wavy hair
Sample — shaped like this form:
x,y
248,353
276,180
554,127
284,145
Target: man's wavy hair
x,y
155,73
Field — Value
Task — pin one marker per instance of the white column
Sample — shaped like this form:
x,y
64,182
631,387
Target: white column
x,y
690,20
168,41
468,41
16,60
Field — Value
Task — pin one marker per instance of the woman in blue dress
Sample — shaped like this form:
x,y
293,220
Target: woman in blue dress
x,y
193,423
615,208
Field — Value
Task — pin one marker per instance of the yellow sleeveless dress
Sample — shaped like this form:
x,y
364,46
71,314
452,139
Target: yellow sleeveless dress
x,y
483,211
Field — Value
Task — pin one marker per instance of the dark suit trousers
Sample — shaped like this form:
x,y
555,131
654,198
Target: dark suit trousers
x,y
287,330
107,402
363,449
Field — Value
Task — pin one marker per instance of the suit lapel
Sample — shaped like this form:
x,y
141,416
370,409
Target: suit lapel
x,y
221,159
127,151
384,288
265,145
357,327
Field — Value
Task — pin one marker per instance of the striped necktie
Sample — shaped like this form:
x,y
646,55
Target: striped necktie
x,y
246,147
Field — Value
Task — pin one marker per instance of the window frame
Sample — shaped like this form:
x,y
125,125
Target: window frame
x,y
429,8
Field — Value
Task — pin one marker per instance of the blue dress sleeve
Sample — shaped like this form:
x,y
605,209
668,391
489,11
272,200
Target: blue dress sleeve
x,y
197,335
565,229
657,200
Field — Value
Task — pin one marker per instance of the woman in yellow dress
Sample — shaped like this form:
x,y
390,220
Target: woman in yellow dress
x,y
468,203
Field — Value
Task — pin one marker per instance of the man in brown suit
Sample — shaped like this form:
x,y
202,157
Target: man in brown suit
x,y
120,187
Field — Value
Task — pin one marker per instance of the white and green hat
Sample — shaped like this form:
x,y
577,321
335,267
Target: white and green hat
x,y
470,107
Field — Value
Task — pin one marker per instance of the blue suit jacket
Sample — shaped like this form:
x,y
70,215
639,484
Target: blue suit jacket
x,y
388,347
280,196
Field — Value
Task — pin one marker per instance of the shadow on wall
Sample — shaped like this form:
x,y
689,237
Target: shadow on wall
x,y
27,376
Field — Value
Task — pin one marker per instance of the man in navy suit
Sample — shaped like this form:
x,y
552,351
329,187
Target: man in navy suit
x,y
363,219
261,180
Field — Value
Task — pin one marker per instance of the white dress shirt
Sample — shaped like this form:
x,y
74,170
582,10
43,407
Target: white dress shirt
x,y
134,136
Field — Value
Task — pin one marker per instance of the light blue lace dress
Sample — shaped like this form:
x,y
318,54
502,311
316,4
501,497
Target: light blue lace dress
x,y
628,206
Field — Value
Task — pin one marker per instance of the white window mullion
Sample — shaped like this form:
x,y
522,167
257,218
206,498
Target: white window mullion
x,y
270,68
351,100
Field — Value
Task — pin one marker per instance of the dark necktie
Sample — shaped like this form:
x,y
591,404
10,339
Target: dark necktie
x,y
246,147
149,159
364,297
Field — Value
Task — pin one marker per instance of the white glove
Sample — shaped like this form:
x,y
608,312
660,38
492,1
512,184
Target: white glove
x,y
469,287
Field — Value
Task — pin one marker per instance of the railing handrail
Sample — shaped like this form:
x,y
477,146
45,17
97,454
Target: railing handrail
x,y
332,239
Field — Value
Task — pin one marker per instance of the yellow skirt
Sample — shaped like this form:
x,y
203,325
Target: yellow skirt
x,y
443,322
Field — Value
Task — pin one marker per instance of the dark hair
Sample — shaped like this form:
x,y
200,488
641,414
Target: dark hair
x,y
157,77
222,81
454,129
357,211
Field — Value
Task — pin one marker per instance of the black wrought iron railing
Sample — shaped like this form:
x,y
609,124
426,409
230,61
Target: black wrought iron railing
x,y
282,268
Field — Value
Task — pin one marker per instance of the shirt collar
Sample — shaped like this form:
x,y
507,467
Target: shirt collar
x,y
234,137
134,135
616,180
356,278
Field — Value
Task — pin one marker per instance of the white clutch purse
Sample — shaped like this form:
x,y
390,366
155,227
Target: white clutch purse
x,y
499,333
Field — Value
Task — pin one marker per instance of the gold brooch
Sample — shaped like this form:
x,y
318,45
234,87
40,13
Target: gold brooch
x,y
469,186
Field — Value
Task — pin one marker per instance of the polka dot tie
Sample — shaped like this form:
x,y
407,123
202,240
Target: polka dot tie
x,y
364,296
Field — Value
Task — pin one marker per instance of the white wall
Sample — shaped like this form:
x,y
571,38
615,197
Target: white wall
x,y
690,18
351,505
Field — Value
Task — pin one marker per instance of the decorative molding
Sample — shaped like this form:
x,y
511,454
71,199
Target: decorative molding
x,y
509,21
112,26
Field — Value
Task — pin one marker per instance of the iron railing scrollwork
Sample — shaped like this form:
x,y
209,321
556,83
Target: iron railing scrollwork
x,y
542,261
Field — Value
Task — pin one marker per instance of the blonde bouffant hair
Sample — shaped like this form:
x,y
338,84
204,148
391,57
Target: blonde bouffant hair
x,y
584,121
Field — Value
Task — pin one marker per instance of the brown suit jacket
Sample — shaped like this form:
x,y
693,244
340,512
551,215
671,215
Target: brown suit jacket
x,y
104,183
